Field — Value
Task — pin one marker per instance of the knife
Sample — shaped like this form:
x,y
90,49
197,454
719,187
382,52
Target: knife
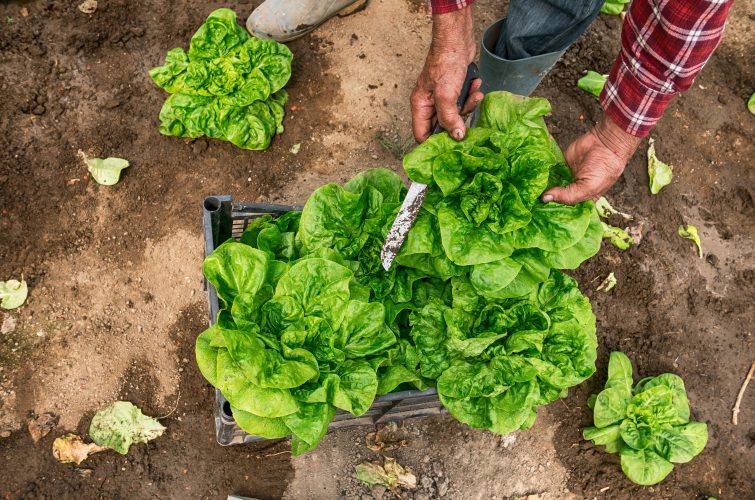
x,y
416,195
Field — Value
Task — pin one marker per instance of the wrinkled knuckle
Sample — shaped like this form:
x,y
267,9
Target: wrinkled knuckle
x,y
446,94
447,115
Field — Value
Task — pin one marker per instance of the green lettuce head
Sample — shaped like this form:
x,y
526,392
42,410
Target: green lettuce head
x,y
228,86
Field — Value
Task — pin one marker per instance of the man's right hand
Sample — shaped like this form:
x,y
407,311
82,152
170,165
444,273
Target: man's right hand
x,y
439,85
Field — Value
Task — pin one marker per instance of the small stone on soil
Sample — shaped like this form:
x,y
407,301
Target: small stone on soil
x,y
426,482
377,492
9,325
442,487
199,147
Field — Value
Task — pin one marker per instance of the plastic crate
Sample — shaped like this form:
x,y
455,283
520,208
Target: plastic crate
x,y
223,219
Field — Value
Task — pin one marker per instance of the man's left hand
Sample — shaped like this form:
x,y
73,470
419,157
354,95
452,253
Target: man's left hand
x,y
597,160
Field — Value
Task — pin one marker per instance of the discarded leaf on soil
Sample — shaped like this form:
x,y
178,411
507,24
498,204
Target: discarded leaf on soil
x,y
106,171
13,293
122,424
660,173
617,236
391,475
592,83
71,449
690,232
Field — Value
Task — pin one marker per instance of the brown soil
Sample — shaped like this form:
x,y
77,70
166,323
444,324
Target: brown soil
x,y
116,293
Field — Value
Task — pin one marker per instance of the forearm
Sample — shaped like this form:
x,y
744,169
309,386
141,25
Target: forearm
x,y
664,45
453,32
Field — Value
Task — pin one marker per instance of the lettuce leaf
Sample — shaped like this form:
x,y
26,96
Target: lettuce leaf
x,y
592,82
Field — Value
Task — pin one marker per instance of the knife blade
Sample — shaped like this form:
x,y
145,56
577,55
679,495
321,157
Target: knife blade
x,y
412,203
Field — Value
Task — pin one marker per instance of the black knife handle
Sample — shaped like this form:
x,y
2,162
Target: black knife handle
x,y
472,74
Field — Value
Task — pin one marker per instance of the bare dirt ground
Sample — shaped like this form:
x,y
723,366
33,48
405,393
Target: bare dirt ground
x,y
116,295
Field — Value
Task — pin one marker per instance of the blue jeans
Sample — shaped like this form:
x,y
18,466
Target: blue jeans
x,y
535,27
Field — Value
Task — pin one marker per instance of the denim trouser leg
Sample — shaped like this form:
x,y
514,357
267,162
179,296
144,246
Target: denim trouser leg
x,y
519,50
537,27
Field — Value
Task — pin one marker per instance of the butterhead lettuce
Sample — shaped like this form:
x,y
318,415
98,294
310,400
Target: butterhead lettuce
x,y
648,424
484,198
228,86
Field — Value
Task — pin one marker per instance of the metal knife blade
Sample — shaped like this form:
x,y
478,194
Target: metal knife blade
x,y
403,223
416,195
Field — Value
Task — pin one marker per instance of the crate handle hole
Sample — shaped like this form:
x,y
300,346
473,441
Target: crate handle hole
x,y
227,409
211,204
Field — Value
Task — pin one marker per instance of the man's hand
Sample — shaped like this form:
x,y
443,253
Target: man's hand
x,y
597,160
439,85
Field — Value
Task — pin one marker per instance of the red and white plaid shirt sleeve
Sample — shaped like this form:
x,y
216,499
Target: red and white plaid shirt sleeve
x,y
445,6
664,45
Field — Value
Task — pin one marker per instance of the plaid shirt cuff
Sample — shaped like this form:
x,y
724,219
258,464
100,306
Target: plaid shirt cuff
x,y
630,103
664,45
446,6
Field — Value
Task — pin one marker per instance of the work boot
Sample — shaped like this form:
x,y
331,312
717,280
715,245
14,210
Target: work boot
x,y
286,20
519,76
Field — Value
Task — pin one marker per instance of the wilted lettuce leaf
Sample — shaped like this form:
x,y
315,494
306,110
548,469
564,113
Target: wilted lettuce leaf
x,y
228,86
660,173
106,171
690,232
617,236
390,475
13,293
605,209
122,424
592,82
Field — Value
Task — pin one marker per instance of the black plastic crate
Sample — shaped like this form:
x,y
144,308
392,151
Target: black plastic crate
x,y
223,219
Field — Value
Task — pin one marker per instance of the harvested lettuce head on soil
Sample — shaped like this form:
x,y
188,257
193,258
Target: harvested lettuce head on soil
x,y
311,323
227,86
648,424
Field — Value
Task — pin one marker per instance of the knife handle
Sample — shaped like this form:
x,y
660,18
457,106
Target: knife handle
x,y
472,74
